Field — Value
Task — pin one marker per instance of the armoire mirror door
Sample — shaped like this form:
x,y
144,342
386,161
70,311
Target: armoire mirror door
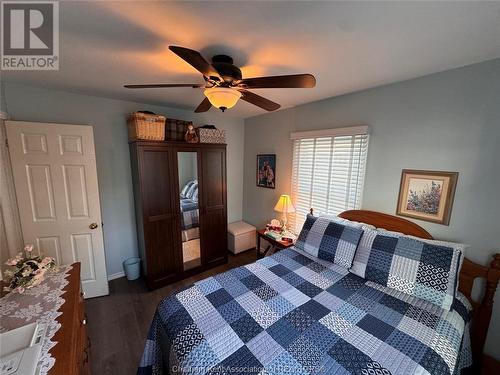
x,y
187,169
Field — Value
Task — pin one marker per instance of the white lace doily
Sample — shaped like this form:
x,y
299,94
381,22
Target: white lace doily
x,y
38,304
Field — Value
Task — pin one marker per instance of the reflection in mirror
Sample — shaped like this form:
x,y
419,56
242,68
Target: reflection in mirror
x,y
188,187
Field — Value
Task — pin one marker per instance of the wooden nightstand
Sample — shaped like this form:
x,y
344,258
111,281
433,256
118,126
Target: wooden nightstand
x,y
277,245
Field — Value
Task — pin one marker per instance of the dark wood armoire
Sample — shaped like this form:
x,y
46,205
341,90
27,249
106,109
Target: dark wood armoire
x,y
156,174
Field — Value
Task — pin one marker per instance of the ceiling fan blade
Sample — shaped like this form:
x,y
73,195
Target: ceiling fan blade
x,y
163,85
258,100
204,106
196,60
288,81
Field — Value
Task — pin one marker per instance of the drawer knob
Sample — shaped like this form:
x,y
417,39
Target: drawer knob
x,y
84,322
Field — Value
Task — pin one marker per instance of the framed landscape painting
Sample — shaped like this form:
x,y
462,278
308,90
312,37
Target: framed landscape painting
x,y
266,171
427,195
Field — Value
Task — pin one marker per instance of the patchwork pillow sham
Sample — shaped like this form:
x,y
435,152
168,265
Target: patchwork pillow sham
x,y
455,245
185,189
413,266
195,195
191,190
329,240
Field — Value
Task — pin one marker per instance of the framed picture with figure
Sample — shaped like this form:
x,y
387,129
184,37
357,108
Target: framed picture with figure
x,y
427,195
266,170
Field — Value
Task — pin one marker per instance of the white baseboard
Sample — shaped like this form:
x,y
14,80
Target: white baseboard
x,y
116,275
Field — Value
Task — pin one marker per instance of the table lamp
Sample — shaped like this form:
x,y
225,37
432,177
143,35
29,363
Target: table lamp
x,y
284,206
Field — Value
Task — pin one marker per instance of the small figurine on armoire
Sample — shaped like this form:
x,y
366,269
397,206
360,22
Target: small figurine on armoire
x,y
191,136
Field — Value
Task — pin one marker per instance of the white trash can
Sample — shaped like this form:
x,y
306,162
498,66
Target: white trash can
x,y
132,267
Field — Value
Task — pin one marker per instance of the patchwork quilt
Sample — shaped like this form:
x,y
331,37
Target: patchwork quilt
x,y
294,313
190,215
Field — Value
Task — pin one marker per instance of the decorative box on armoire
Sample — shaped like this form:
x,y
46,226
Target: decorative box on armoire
x,y
179,235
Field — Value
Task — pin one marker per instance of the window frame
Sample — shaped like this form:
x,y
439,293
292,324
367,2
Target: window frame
x,y
358,162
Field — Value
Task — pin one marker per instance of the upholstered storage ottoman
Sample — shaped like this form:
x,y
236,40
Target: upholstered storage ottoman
x,y
241,237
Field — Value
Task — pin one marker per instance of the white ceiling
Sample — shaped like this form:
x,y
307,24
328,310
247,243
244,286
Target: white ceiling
x,y
348,46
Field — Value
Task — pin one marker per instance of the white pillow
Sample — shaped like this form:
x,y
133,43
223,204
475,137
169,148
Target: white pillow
x,y
343,221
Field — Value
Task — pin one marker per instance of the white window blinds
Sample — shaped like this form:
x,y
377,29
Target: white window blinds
x,y
328,172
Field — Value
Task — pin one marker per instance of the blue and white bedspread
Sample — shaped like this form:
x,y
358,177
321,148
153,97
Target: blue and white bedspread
x,y
294,314
190,215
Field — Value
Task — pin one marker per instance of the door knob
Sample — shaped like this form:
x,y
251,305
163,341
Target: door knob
x,y
93,226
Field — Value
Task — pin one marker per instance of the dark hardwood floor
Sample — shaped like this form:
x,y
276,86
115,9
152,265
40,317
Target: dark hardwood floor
x,y
118,323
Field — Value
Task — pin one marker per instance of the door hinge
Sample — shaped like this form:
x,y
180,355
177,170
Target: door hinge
x,y
6,143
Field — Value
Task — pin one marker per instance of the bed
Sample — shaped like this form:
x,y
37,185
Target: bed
x,y
295,313
190,217
190,214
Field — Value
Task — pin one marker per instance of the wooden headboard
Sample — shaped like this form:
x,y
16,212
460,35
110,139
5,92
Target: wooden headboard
x,y
470,271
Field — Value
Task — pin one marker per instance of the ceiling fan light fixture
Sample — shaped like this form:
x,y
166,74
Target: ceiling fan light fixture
x,y
222,97
224,84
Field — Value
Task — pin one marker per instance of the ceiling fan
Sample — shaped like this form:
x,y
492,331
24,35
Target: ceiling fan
x,y
224,84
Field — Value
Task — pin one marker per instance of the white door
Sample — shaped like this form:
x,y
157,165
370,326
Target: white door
x,y
55,177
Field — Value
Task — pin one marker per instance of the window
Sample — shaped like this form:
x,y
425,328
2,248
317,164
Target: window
x,y
328,171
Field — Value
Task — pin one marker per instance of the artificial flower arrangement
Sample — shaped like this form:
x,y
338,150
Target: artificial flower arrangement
x,y
26,270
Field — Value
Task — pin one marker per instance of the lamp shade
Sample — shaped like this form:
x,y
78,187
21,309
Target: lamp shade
x,y
284,204
222,97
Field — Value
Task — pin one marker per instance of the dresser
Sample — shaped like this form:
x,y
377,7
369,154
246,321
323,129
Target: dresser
x,y
73,346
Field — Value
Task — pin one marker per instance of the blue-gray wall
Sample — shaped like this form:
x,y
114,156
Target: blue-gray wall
x,y
108,117
446,121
